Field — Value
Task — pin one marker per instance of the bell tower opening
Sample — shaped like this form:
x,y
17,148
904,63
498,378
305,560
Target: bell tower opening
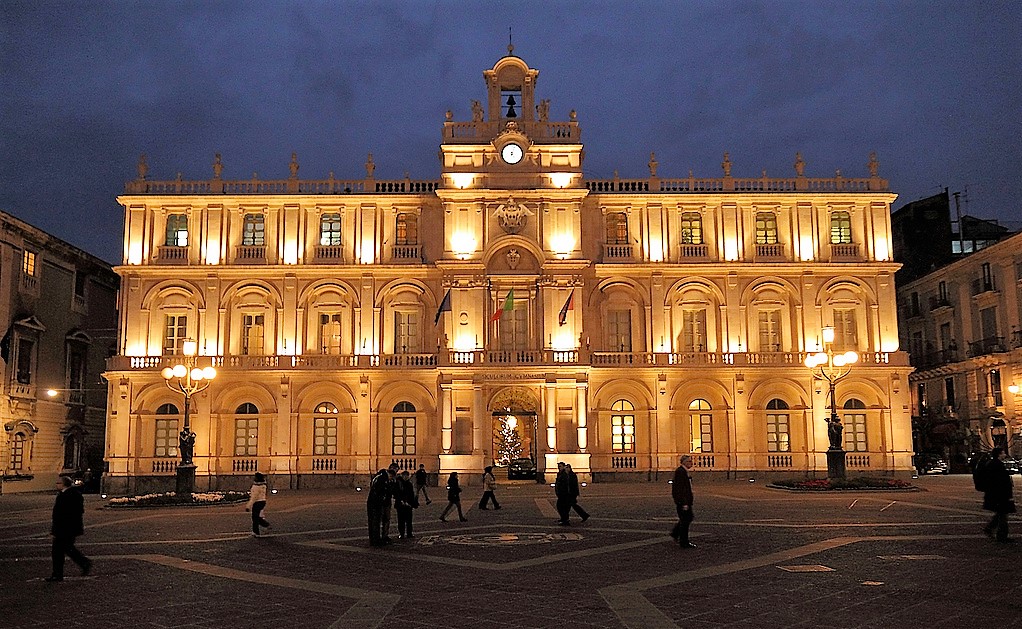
x,y
510,87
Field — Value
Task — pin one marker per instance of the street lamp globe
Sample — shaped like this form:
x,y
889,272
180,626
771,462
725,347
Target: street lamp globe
x,y
208,373
180,371
167,373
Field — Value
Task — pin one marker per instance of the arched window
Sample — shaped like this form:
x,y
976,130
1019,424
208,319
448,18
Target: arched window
x,y
622,426
72,450
701,421
778,423
165,444
840,228
854,420
18,452
691,228
324,429
766,228
246,430
404,429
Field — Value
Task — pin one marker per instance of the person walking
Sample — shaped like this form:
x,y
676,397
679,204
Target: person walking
x,y
562,490
379,487
574,491
421,480
257,502
998,495
453,498
681,492
67,524
404,501
489,486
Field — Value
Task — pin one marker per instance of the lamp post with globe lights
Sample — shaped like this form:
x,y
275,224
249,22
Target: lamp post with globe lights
x,y
832,367
188,379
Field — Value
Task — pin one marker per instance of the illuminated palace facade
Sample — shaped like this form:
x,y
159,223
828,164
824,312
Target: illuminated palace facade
x,y
511,308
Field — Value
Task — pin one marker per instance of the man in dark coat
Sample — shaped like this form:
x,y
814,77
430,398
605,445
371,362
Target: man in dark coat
x,y
681,491
574,491
379,495
562,489
68,511
998,494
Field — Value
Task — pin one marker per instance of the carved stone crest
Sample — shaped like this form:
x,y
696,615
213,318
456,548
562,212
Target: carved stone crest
x,y
512,216
513,258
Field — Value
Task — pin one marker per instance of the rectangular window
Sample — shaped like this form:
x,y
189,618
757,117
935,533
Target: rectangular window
x,y
18,452
81,281
914,312
845,336
619,330
949,392
28,263
766,228
778,435
253,231
177,231
514,327
769,330
691,228
324,436
702,432
166,438
693,330
246,437
76,365
175,331
840,228
404,435
988,322
330,230
330,333
942,293
406,332
623,433
945,335
407,229
855,432
24,361
988,276
617,229
252,335
921,399
995,387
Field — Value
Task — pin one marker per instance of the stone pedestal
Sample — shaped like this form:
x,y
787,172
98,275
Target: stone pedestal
x,y
835,464
185,480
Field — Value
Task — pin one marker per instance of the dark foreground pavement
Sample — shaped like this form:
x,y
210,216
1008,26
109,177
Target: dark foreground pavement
x,y
765,558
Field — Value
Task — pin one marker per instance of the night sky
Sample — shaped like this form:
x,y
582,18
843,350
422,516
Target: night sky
x,y
85,87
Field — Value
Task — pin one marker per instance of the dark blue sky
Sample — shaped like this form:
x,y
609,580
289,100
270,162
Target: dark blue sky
x,y
933,87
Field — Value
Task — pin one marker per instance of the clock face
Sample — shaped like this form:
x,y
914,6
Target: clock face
x,y
511,153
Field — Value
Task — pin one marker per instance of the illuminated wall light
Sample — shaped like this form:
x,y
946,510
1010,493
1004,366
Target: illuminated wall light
x,y
882,250
463,244
561,180
806,249
213,252
564,341
656,250
730,250
889,345
367,253
562,245
291,252
463,180
135,253
464,343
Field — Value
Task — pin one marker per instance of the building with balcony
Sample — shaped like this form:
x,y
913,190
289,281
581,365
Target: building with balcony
x,y
58,311
512,305
962,325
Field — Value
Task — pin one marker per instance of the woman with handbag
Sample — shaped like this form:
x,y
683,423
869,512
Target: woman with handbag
x,y
453,498
999,495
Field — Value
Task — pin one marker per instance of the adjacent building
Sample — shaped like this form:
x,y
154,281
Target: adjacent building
x,y
58,312
511,307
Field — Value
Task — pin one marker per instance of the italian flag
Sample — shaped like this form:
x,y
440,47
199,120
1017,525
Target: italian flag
x,y
509,305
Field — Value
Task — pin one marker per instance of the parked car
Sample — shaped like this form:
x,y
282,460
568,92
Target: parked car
x,y
1012,465
521,468
931,464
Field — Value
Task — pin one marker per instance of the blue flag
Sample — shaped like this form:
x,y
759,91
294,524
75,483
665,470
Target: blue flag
x,y
445,306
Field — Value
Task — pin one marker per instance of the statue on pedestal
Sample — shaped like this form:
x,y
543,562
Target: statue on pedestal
x,y
187,446
834,430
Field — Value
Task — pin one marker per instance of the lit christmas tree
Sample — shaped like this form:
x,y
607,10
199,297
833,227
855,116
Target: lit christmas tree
x,y
509,444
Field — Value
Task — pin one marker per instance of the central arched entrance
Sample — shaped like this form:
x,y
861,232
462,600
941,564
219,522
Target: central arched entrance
x,y
514,430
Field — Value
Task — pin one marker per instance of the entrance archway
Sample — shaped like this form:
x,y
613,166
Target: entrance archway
x,y
514,430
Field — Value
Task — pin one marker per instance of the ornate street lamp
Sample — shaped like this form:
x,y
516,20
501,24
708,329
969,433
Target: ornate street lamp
x,y
189,380
827,365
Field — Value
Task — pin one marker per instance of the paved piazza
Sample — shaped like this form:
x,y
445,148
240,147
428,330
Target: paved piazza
x,y
765,558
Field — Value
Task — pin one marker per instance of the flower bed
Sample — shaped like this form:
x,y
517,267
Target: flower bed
x,y
171,499
825,484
